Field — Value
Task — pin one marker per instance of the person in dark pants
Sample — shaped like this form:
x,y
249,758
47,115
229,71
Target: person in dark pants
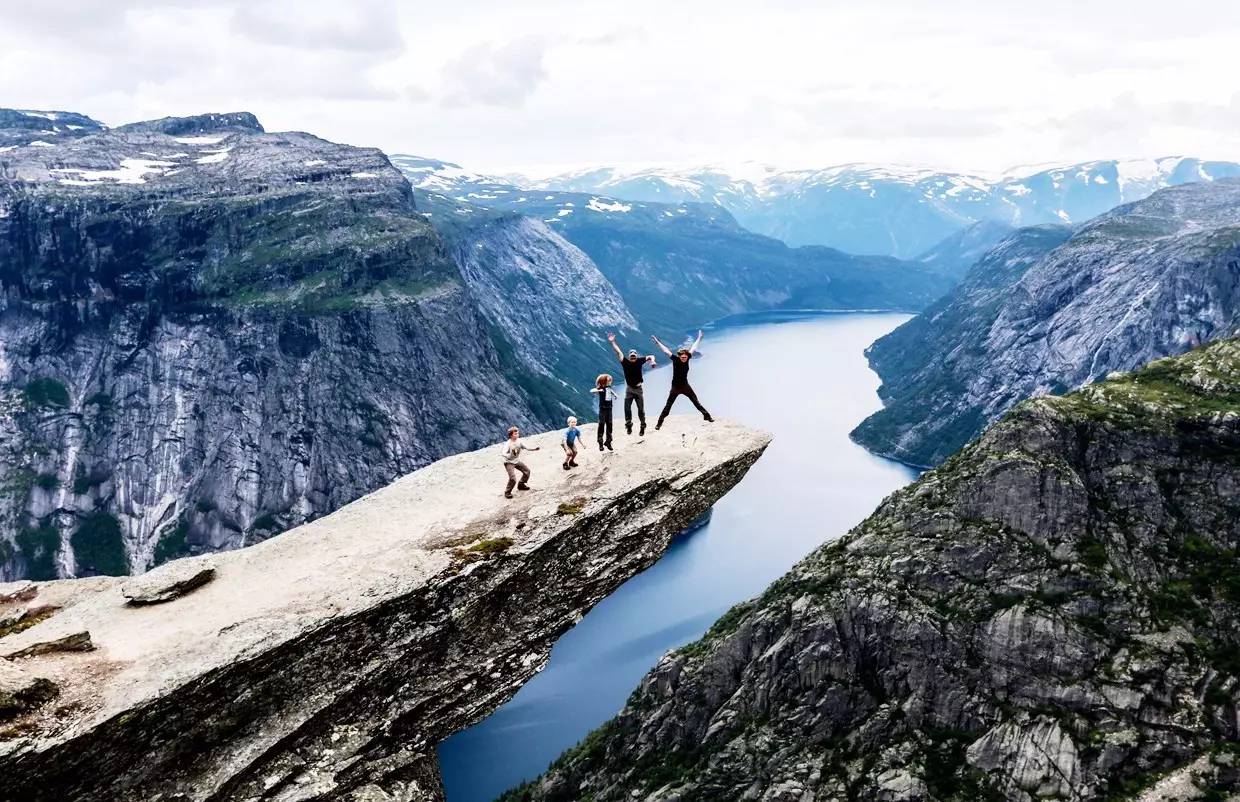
x,y
633,366
606,397
680,379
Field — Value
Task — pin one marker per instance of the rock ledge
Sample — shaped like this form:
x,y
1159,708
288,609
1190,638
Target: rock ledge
x,y
328,662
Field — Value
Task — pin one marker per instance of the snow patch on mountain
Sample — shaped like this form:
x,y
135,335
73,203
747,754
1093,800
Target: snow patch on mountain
x,y
131,171
600,205
898,210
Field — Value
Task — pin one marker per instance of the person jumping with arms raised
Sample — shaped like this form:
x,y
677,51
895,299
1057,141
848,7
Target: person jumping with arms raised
x,y
633,366
680,379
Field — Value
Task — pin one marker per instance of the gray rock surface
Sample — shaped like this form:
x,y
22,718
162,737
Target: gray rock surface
x,y
1050,309
547,296
65,639
328,662
960,251
26,127
1051,614
21,691
169,581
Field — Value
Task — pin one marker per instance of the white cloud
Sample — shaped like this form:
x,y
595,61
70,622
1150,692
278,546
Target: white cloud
x,y
495,74
360,26
962,83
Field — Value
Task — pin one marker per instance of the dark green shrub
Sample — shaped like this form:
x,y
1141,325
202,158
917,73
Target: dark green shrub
x,y
47,481
47,393
173,543
38,546
99,547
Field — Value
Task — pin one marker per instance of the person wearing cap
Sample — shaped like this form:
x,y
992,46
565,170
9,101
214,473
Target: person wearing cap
x,y
633,366
680,379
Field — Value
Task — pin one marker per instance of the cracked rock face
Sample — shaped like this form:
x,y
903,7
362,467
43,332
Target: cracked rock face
x,y
328,663
1054,613
209,333
1052,308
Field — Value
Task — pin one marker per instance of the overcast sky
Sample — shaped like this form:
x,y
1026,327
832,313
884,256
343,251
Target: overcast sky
x,y
542,84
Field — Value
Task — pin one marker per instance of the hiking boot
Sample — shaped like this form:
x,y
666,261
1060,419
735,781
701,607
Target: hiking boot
x,y
523,486
600,446
642,433
572,463
566,466
628,427
706,417
507,494
609,448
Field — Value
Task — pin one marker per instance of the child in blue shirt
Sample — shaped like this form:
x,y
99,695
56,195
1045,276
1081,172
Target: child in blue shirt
x,y
571,436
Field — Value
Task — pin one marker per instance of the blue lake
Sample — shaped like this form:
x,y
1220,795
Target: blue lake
x,y
804,378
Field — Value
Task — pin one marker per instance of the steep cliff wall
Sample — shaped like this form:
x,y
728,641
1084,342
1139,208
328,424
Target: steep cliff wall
x,y
1050,309
209,333
1051,614
328,662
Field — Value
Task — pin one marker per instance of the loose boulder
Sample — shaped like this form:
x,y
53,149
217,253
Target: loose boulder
x,y
168,582
75,641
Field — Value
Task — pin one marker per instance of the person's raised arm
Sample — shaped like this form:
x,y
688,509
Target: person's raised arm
x,y
611,338
662,347
693,348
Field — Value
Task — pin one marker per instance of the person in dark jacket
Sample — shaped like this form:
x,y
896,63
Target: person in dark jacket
x,y
634,366
606,397
680,379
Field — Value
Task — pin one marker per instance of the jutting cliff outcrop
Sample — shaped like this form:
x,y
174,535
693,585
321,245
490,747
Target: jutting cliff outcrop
x,y
328,662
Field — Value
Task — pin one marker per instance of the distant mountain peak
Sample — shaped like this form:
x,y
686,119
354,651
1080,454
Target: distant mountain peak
x,y
25,126
891,209
199,124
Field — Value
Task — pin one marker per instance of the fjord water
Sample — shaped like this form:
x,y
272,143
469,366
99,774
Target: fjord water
x,y
801,376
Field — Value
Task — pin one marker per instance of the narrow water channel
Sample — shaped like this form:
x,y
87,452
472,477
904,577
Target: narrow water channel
x,y
801,376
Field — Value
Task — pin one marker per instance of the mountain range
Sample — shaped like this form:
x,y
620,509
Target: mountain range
x,y
885,209
681,265
1051,308
183,300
